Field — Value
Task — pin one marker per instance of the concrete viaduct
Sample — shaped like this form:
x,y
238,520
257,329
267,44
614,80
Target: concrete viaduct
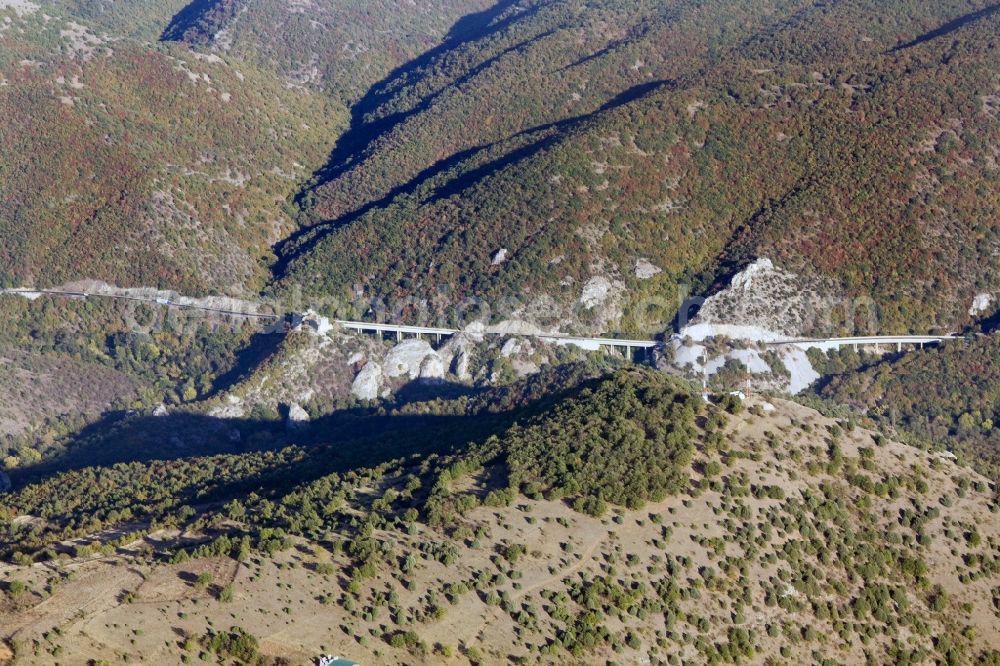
x,y
867,341
626,347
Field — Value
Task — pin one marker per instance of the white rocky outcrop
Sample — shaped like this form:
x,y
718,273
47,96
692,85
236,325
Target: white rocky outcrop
x,y
802,374
511,347
980,304
477,327
298,418
751,358
460,365
645,269
323,325
499,256
743,280
704,330
457,354
368,383
595,291
407,359
412,360
762,304
432,368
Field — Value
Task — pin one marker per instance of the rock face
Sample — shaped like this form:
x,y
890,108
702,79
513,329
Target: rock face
x,y
595,291
368,384
322,325
407,361
511,347
432,368
414,359
298,418
161,410
500,256
762,303
644,269
460,366
980,304
520,351
457,353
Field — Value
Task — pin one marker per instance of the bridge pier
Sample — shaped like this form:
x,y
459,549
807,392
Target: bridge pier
x,y
632,350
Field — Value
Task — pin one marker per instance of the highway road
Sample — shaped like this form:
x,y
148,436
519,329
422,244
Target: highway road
x,y
403,330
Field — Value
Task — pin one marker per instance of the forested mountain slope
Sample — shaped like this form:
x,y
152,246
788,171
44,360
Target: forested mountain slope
x,y
138,19
175,484
338,46
610,149
142,164
694,135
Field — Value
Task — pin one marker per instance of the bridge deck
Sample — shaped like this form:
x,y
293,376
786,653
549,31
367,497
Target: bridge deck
x,y
867,340
403,329
370,327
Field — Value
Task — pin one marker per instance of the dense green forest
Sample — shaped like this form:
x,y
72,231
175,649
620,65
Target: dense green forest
x,y
949,395
625,442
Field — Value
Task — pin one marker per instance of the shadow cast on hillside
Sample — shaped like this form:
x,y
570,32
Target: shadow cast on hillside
x,y
361,132
187,18
328,446
991,324
535,140
345,439
949,27
261,347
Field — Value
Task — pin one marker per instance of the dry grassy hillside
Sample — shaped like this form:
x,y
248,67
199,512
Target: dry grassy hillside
x,y
798,540
36,389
